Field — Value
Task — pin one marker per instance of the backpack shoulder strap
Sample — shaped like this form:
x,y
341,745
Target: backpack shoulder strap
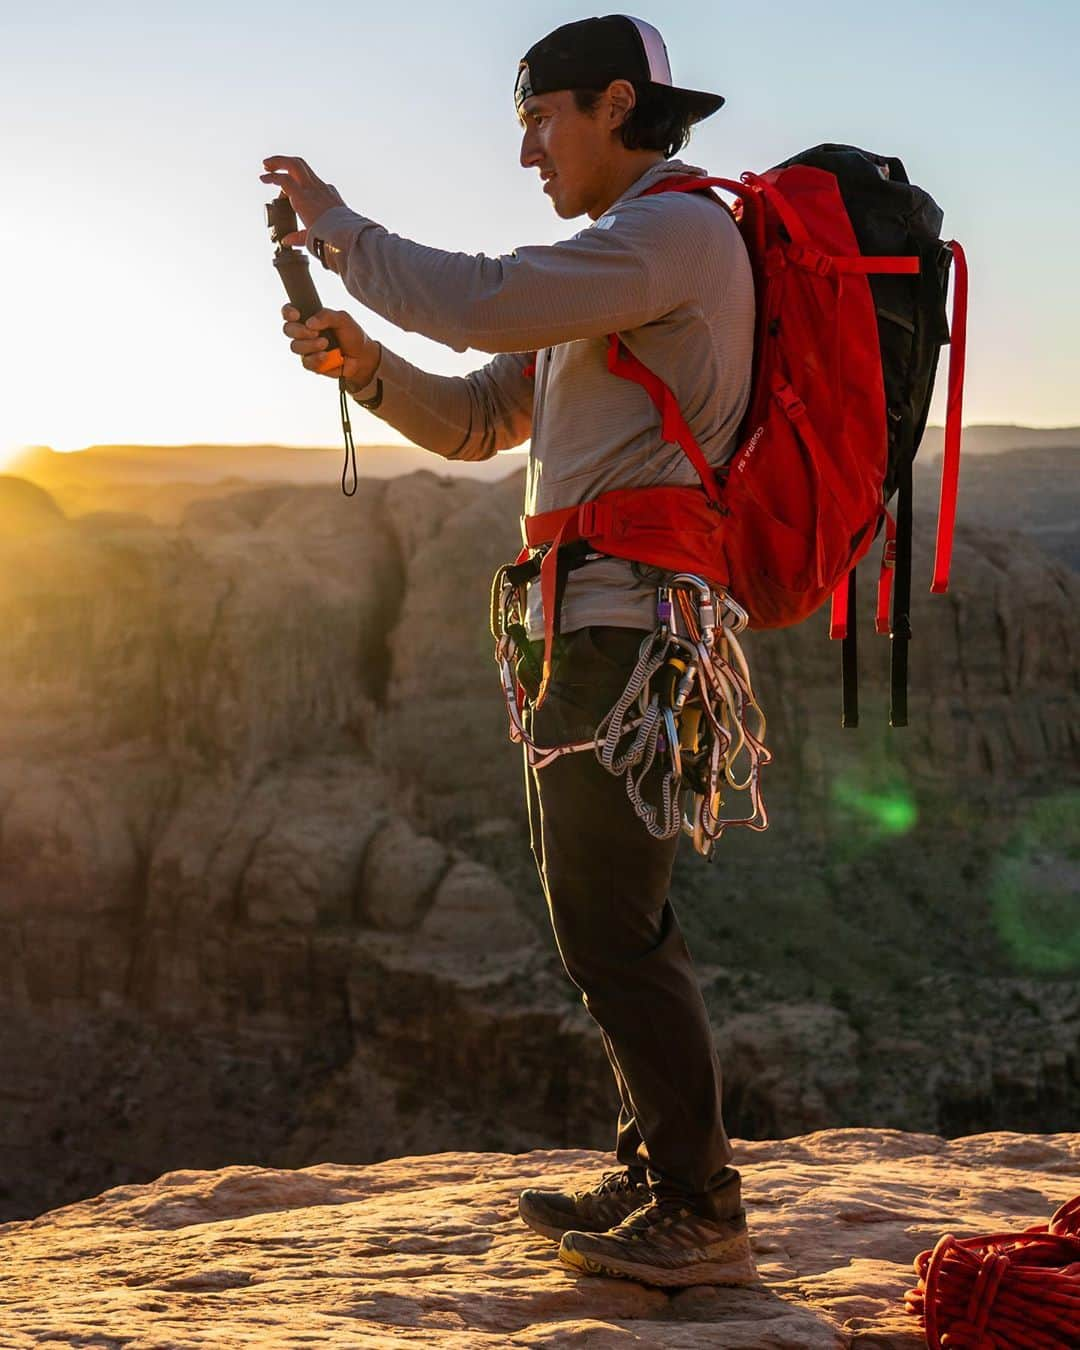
x,y
622,362
673,426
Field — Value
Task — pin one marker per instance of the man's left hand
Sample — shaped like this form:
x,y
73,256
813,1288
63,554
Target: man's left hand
x,y
309,195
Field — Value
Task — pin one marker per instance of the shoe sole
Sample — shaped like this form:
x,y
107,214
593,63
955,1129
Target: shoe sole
x,y
739,1271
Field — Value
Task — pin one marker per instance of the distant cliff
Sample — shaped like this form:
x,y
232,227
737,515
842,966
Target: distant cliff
x,y
1013,477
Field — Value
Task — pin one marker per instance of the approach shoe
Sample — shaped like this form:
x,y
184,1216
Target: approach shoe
x,y
552,1213
666,1243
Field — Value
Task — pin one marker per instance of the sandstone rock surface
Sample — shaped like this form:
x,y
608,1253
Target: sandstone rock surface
x,y
430,1251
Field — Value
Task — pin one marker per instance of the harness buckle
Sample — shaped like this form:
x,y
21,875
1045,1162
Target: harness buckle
x,y
593,518
811,259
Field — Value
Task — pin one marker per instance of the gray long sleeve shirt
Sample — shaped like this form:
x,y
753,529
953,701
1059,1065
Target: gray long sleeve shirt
x,y
669,273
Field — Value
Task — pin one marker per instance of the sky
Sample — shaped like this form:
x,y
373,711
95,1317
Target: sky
x,y
141,302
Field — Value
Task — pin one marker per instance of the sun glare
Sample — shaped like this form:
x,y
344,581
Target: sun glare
x,y
9,453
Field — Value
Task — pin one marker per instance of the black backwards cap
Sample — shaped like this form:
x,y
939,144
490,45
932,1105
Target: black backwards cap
x,y
591,53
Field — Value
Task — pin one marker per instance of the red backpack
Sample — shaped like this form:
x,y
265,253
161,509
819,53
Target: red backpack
x,y
850,280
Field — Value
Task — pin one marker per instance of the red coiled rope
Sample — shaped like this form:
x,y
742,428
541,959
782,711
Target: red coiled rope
x,y
1004,1291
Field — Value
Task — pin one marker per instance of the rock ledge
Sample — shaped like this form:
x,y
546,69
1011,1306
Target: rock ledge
x,y
429,1250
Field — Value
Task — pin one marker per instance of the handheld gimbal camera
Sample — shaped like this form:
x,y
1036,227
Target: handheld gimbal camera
x,y
292,265
295,273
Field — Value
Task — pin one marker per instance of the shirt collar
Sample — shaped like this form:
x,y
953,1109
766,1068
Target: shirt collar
x,y
654,173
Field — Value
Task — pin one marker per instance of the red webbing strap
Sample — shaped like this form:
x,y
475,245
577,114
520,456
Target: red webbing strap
x,y
673,427
624,363
838,614
697,184
866,263
541,529
529,371
792,223
751,213
950,460
789,217
885,576
549,579
750,217
558,527
740,190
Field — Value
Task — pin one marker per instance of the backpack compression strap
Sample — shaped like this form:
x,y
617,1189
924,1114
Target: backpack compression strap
x,y
950,459
894,580
950,473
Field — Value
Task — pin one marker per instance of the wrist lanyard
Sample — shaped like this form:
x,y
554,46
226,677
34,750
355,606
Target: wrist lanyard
x,y
350,448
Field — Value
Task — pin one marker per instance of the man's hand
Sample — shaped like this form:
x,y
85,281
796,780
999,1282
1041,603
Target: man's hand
x,y
358,356
309,195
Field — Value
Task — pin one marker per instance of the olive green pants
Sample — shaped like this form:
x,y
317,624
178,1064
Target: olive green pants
x,y
606,883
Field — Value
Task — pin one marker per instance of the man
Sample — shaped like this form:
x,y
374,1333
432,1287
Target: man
x,y
668,272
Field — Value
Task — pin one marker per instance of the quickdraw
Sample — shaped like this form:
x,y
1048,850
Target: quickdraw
x,y
687,718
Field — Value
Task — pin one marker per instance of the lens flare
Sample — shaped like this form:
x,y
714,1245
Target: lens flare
x,y
1035,888
890,810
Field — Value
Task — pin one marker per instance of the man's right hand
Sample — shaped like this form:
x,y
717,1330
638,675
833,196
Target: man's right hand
x,y
357,357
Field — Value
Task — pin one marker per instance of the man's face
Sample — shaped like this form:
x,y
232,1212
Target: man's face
x,y
571,150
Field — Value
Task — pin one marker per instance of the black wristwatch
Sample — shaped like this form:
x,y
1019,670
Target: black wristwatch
x,y
327,254
372,403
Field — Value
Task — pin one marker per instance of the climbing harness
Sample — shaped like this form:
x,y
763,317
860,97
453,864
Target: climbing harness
x,y
1003,1291
686,726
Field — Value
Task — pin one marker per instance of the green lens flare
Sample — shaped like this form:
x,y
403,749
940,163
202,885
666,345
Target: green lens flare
x,y
1035,888
891,811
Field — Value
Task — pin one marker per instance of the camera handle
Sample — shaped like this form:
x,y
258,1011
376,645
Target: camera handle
x,y
295,273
